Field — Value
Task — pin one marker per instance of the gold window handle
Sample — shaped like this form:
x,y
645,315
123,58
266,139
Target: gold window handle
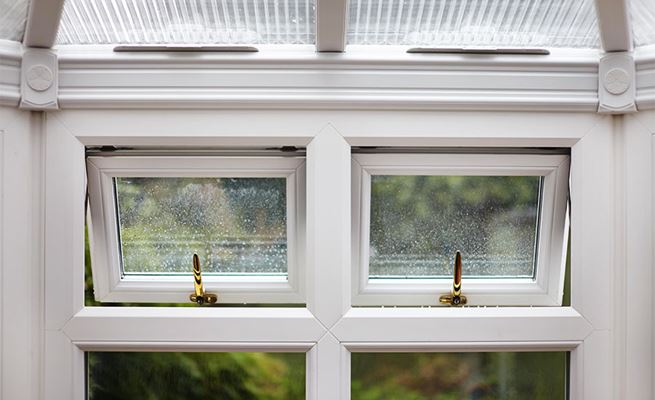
x,y
199,296
455,297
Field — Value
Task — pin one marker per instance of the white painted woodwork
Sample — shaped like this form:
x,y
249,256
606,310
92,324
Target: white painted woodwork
x,y
614,25
21,254
39,80
300,78
43,23
328,371
331,19
467,324
10,62
617,83
123,325
645,77
637,255
328,226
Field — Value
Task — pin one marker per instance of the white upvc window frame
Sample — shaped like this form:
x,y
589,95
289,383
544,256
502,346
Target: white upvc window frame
x,y
547,286
112,285
329,328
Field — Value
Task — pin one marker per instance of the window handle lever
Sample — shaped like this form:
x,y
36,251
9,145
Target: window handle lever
x,y
455,297
199,296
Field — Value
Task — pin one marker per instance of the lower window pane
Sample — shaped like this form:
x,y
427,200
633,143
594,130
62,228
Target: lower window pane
x,y
175,376
446,376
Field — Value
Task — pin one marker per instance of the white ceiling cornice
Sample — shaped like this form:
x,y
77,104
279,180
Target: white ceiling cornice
x,y
299,78
10,61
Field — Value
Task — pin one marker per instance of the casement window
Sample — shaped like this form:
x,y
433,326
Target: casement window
x,y
504,211
351,198
242,215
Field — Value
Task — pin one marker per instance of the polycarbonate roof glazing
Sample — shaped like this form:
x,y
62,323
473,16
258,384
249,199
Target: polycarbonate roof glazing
x,y
188,22
525,23
13,15
433,23
643,21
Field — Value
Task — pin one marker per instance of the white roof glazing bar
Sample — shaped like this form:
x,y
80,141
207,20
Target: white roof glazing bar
x,y
614,23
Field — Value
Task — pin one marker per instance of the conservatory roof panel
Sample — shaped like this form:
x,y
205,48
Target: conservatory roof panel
x,y
187,22
643,21
13,16
498,23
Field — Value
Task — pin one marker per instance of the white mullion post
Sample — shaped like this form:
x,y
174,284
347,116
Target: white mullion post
x,y
64,260
614,25
20,254
328,259
328,370
592,260
638,256
331,25
328,226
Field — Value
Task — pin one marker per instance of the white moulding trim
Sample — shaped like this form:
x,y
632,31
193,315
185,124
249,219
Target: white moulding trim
x,y
562,81
458,325
147,346
10,63
645,77
331,22
191,325
361,78
449,347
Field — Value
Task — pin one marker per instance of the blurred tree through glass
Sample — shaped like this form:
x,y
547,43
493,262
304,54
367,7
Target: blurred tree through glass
x,y
418,222
459,376
236,225
177,376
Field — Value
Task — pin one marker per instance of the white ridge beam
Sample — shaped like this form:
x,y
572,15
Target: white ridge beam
x,y
331,16
614,25
43,23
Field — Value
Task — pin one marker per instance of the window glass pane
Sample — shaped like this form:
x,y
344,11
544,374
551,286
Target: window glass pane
x,y
175,376
481,376
90,301
509,23
238,226
13,15
419,222
643,21
191,22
